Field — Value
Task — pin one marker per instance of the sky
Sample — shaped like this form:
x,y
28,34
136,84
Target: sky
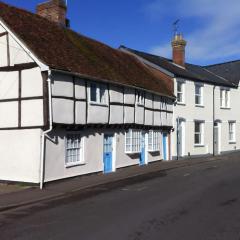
x,y
210,27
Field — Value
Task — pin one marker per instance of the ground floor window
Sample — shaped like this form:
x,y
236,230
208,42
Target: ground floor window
x,y
154,141
74,154
199,133
133,141
232,131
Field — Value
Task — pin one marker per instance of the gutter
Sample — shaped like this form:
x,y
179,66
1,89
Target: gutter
x,y
44,133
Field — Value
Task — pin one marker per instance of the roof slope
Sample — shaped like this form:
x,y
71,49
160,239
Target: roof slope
x,y
229,70
191,71
64,49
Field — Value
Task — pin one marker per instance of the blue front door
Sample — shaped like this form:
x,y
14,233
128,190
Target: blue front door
x,y
142,153
165,154
107,153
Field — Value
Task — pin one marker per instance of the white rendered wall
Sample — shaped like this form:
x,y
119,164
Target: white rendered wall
x,y
189,112
20,155
93,154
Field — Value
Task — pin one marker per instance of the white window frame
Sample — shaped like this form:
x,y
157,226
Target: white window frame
x,y
133,139
101,94
225,98
232,131
201,133
140,98
154,138
200,95
76,159
182,92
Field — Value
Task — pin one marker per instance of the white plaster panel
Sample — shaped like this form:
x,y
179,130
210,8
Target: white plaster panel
x,y
116,114
148,100
148,117
17,53
97,114
116,94
163,118
139,117
157,119
129,95
9,114
20,155
32,113
3,50
80,89
62,85
62,111
8,85
128,115
32,83
80,112
157,102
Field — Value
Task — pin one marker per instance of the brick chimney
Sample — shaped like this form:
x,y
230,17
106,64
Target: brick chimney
x,y
54,10
178,49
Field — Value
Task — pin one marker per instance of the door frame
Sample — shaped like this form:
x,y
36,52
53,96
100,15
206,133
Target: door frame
x,y
219,127
181,122
144,134
114,144
165,151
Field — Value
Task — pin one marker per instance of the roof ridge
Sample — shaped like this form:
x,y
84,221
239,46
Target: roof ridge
x,y
216,64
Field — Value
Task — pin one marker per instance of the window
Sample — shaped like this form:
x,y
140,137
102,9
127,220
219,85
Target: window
x,y
140,98
154,141
98,93
74,149
232,131
133,141
198,94
199,133
180,92
225,98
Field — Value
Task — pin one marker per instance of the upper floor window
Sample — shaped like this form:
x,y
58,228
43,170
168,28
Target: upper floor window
x,y
140,98
98,92
154,141
232,131
199,94
133,141
74,150
180,92
225,98
199,133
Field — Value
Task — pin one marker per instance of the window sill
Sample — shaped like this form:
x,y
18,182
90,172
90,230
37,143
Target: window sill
x,y
98,104
199,145
225,108
232,142
181,103
140,104
132,153
153,151
74,164
199,105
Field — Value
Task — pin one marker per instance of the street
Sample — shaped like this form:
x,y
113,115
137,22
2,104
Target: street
x,y
197,202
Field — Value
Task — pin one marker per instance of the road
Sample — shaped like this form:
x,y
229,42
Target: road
x,y
201,202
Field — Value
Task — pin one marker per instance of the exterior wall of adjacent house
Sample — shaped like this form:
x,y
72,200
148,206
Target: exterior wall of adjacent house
x,y
187,113
71,96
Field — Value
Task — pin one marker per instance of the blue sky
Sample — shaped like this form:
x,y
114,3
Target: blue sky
x,y
211,27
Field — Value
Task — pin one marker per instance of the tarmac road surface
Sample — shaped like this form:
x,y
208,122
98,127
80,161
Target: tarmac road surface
x,y
197,202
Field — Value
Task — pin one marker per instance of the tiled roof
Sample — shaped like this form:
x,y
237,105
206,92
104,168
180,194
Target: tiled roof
x,y
191,71
228,70
63,49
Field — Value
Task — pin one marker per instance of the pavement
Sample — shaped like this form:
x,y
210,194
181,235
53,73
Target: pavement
x,y
13,197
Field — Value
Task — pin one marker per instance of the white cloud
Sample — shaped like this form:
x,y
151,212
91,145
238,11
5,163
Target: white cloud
x,y
218,36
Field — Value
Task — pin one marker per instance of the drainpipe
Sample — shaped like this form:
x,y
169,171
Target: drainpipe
x,y
177,138
44,133
214,119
